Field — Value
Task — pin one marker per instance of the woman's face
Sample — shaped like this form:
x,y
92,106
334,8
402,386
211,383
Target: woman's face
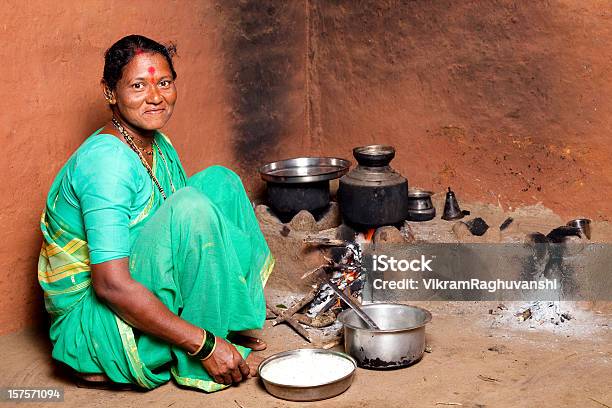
x,y
145,95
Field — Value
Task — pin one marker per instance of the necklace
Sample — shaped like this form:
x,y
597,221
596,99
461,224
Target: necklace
x,y
143,149
130,142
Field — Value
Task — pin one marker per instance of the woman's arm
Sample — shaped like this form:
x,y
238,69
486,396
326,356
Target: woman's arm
x,y
138,306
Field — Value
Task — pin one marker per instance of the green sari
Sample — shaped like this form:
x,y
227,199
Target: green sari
x,y
201,252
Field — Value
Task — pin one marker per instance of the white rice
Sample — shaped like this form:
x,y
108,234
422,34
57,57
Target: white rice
x,y
307,369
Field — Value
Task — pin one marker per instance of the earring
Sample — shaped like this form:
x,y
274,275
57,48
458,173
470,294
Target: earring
x,y
108,95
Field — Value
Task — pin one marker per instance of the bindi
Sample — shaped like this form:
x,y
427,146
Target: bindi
x,y
152,72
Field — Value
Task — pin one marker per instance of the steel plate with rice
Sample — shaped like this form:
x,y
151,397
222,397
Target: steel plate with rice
x,y
307,374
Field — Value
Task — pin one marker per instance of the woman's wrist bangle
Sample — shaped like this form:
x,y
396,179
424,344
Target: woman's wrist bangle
x,y
207,347
201,345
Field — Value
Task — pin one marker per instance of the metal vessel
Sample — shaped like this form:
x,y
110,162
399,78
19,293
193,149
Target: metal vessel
x,y
420,206
400,341
373,194
307,393
301,183
583,224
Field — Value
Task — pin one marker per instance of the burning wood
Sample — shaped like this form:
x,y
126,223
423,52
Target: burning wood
x,y
369,235
343,269
315,271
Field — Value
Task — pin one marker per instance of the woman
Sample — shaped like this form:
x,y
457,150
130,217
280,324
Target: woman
x,y
147,273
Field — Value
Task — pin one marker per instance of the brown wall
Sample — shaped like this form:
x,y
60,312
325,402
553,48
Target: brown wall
x,y
509,102
52,59
506,101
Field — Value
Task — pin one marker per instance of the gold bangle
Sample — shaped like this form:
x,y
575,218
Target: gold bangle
x,y
201,345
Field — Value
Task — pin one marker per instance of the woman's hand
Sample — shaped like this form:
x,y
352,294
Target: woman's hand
x,y
226,365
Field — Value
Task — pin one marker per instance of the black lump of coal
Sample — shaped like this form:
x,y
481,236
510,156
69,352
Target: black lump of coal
x,y
477,226
506,223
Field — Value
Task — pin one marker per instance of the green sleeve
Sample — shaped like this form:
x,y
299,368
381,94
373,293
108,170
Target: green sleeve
x,y
105,182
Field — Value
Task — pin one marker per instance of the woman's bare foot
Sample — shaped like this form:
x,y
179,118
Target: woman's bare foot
x,y
243,340
253,360
92,377
99,382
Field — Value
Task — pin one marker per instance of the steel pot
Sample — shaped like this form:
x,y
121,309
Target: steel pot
x,y
420,206
373,194
399,342
583,224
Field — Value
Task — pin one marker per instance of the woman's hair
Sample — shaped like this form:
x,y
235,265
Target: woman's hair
x,y
122,52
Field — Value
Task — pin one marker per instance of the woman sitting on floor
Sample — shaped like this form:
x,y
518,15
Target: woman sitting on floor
x,y
148,273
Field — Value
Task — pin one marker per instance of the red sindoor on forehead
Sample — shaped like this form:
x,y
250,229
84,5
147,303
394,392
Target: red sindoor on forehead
x,y
152,72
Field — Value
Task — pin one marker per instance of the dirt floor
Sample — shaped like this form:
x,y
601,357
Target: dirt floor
x,y
472,363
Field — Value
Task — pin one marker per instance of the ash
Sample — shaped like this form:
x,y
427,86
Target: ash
x,y
327,333
561,317
545,313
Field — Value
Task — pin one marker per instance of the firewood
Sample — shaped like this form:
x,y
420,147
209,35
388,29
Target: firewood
x,y
297,306
293,323
324,241
315,271
319,321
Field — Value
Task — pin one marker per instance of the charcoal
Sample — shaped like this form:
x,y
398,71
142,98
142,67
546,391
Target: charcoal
x,y
477,226
506,223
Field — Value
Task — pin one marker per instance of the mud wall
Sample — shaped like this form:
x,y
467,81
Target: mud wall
x,y
508,102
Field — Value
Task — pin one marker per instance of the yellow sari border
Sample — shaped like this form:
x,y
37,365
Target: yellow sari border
x,y
267,268
205,385
131,350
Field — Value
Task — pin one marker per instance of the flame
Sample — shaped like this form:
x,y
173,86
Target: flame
x,y
350,276
365,237
369,235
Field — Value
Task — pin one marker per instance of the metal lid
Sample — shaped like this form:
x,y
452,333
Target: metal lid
x,y
304,169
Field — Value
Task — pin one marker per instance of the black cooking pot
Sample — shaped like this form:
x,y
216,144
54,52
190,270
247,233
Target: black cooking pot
x,y
301,183
373,194
289,199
